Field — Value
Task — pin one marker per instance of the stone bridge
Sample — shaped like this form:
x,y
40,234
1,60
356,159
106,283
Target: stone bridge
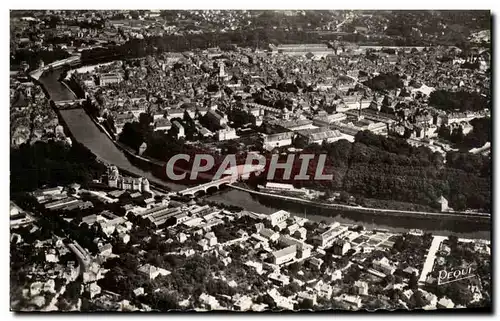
x,y
73,60
69,104
232,175
207,187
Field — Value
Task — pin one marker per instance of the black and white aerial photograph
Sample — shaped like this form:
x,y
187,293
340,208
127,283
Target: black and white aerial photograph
x,y
250,160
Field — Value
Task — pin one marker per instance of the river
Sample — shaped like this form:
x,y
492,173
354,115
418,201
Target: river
x,y
87,133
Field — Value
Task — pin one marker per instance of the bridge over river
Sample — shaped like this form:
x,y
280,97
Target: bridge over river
x,y
69,104
204,188
230,176
87,133
73,60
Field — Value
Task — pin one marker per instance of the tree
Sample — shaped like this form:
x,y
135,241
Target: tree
x,y
164,301
460,100
132,134
353,274
300,142
86,305
145,120
43,163
389,279
418,300
413,281
216,287
294,268
384,82
344,197
110,122
62,304
266,299
458,293
399,244
290,289
453,241
73,291
305,305
457,136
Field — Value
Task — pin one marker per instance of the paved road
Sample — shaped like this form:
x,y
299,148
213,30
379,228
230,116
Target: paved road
x,y
431,257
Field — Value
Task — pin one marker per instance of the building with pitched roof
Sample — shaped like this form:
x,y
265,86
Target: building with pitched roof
x,y
284,255
321,134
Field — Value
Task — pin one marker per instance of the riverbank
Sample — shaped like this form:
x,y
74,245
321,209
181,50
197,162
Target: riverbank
x,y
150,162
376,211
69,88
85,131
37,74
162,187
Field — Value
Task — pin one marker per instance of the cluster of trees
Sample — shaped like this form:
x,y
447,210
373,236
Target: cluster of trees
x,y
64,72
266,27
194,278
337,162
254,38
410,250
455,136
160,145
480,134
131,135
70,296
338,172
52,163
458,292
375,167
384,82
189,126
365,154
61,40
285,87
240,117
33,57
476,164
404,206
390,183
389,169
123,277
21,259
401,153
471,65
417,175
135,133
430,25
232,208
458,100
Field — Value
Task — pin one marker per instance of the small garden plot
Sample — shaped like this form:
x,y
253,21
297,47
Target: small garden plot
x,y
360,239
387,244
373,241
